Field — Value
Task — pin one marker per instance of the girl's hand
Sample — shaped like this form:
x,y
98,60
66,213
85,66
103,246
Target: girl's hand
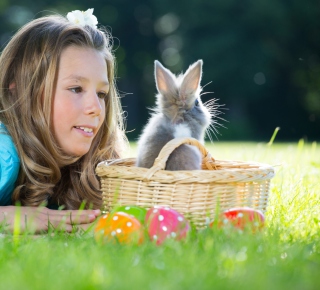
x,y
39,219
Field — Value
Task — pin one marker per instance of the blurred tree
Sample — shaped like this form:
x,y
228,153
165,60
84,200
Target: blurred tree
x,y
262,59
261,56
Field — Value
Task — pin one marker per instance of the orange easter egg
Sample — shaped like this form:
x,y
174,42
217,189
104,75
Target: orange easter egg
x,y
119,227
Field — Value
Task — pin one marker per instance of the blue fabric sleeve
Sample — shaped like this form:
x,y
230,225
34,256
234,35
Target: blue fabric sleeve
x,y
9,166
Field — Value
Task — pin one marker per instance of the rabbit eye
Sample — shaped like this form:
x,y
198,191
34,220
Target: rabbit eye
x,y
196,103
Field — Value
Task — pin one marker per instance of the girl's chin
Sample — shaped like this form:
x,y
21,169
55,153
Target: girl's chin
x,y
77,152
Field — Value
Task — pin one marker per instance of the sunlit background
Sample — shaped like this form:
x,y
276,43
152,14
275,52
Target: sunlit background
x,y
261,57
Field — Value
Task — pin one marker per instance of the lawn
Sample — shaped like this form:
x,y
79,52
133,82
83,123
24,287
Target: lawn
x,y
285,255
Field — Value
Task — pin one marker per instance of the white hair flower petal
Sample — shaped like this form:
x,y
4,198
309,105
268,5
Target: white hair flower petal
x,y
83,17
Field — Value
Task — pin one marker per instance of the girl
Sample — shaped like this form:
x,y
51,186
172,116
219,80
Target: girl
x,y
60,115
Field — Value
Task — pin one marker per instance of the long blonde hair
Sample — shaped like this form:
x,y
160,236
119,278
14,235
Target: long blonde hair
x,y
28,67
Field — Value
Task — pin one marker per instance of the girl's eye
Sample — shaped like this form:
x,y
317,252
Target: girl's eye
x,y
76,90
102,95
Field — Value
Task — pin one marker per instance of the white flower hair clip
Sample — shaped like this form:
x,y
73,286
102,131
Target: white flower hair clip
x,y
83,18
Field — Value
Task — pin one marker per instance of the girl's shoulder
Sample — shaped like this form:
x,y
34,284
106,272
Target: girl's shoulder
x,y
7,148
9,166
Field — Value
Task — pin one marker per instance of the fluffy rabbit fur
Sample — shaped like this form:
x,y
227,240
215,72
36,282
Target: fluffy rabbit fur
x,y
179,113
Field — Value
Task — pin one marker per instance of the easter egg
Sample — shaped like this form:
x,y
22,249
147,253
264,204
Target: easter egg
x,y
242,218
119,227
100,225
164,222
136,211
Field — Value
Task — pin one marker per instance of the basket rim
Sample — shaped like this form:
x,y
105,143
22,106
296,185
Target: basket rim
x,y
220,164
227,171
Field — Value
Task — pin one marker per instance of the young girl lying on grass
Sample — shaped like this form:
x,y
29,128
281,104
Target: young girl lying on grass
x,y
60,115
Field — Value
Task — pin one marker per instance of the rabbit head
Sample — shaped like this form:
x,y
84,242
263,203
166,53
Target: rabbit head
x,y
179,98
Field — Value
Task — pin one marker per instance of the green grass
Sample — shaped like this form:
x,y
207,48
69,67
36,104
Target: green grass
x,y
286,255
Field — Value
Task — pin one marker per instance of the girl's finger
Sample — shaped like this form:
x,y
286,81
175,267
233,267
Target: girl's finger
x,y
70,217
74,218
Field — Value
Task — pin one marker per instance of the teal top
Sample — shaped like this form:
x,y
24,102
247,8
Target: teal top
x,y
9,166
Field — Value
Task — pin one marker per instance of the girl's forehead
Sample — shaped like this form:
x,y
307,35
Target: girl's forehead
x,y
73,51
82,63
78,56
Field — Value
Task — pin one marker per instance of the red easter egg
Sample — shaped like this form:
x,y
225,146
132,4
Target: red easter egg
x,y
119,227
241,218
164,222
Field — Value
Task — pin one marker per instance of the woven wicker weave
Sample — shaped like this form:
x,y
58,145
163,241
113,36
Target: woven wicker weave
x,y
195,193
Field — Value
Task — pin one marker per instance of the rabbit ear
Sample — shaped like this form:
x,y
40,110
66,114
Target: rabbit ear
x,y
191,80
165,80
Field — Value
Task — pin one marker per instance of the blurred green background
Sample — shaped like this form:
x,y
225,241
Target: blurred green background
x,y
261,57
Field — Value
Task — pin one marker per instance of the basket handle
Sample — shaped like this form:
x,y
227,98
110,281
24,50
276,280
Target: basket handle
x,y
161,160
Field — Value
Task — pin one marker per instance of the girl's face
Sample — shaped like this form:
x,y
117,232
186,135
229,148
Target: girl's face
x,y
79,99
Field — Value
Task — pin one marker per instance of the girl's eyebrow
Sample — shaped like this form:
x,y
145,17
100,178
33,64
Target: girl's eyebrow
x,y
75,77
83,79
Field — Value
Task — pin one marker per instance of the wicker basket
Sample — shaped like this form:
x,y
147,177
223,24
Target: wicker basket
x,y
197,194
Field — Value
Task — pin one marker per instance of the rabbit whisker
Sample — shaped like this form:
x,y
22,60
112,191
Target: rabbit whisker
x,y
206,84
204,93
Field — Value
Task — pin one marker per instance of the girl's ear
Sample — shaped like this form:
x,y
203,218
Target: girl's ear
x,y
12,86
164,79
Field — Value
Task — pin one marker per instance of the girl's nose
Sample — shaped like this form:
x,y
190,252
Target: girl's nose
x,y
93,104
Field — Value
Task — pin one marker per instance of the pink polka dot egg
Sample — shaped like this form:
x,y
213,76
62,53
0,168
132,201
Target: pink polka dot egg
x,y
166,223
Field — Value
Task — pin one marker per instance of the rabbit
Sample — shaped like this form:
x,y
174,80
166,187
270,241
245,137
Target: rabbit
x,y
179,113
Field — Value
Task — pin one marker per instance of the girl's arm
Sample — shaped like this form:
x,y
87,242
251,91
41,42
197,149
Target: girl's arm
x,y
9,166
39,219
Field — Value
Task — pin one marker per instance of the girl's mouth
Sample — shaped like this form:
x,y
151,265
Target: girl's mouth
x,y
85,129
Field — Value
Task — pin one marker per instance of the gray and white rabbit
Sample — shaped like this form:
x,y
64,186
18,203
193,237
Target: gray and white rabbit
x,y
179,113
